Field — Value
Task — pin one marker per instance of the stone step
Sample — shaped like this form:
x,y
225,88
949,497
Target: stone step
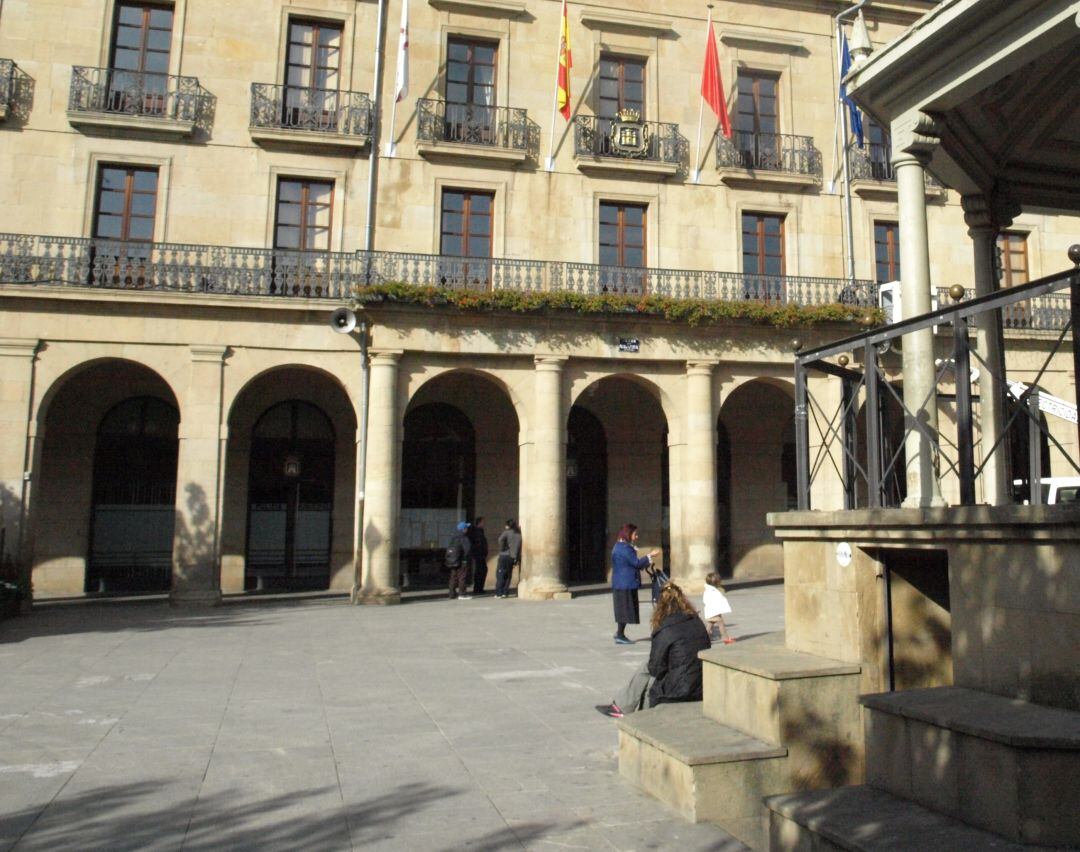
x,y
996,763
706,771
867,819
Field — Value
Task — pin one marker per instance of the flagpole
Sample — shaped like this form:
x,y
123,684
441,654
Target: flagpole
x,y
848,226
701,112
555,98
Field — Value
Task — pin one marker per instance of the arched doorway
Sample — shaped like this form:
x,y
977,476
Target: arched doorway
x,y
133,497
438,488
290,498
586,497
756,423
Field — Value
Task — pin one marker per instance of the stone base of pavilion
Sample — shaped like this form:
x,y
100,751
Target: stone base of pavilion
x,y
927,686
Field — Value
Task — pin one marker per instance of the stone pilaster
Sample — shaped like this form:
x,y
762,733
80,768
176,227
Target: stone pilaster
x,y
920,383
983,226
380,562
17,356
699,478
196,570
544,538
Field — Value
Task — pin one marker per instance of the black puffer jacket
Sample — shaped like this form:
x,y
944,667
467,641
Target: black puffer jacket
x,y
673,660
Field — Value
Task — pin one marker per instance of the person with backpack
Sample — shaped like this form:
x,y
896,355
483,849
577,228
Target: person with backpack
x,y
457,560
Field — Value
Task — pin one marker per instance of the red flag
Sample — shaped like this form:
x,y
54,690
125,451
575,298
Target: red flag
x,y
712,85
565,64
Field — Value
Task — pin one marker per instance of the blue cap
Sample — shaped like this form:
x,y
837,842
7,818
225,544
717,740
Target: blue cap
x,y
462,526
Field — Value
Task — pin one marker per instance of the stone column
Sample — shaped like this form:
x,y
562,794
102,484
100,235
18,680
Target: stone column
x,y
17,356
380,559
545,536
989,345
196,569
699,477
920,397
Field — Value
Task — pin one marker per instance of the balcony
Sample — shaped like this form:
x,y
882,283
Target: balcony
x,y
292,116
872,173
652,150
1049,312
768,159
74,262
16,91
113,100
468,131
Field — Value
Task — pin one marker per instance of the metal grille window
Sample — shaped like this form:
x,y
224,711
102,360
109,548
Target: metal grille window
x,y
139,67
886,252
125,204
622,234
622,85
304,213
763,244
312,72
1014,259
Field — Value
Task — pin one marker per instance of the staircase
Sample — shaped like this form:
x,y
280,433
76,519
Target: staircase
x,y
947,768
772,720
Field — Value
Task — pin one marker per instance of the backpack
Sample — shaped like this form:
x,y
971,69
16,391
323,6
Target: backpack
x,y
453,553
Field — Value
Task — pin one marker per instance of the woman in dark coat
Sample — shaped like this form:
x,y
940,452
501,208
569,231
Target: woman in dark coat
x,y
626,568
678,635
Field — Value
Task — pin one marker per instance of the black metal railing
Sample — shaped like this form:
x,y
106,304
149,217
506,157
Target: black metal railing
x,y
279,107
83,262
16,91
469,124
7,82
769,152
874,162
136,93
863,438
661,142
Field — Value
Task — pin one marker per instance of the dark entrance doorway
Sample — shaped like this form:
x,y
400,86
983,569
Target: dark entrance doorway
x,y
723,500
290,497
438,488
586,497
134,497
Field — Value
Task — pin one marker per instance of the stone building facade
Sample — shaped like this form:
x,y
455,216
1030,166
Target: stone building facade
x,y
190,188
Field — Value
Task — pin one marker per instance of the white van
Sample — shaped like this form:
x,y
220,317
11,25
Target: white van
x,y
1056,489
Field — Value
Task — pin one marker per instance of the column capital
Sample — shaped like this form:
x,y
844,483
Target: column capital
x,y
207,354
915,136
551,363
19,347
385,357
701,366
983,213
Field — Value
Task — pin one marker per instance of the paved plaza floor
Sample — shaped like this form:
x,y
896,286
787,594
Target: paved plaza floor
x,y
306,723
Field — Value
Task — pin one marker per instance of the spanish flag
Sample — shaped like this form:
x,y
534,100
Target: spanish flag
x,y
565,64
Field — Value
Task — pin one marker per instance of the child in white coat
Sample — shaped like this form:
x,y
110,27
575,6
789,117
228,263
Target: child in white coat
x,y
714,607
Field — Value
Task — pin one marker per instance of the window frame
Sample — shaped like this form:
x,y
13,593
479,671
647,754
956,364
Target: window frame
x,y
892,250
466,235
756,76
305,206
129,170
762,255
623,60
621,229
1004,242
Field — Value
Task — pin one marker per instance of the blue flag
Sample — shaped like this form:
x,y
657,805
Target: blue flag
x,y
845,66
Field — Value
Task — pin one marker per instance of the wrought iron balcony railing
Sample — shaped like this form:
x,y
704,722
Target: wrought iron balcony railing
x,y
769,152
661,143
81,262
1045,312
873,162
280,107
470,124
16,91
136,93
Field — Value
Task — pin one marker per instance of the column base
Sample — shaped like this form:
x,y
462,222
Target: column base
x,y
376,597
543,589
211,597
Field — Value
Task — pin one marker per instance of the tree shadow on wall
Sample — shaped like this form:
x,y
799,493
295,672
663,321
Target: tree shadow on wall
x,y
147,814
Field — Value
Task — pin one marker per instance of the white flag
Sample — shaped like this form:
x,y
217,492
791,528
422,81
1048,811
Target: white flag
x,y
401,88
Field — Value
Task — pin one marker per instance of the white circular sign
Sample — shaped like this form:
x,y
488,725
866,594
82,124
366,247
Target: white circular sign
x,y
843,554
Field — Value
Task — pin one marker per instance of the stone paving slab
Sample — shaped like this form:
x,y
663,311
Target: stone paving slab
x,y
306,723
